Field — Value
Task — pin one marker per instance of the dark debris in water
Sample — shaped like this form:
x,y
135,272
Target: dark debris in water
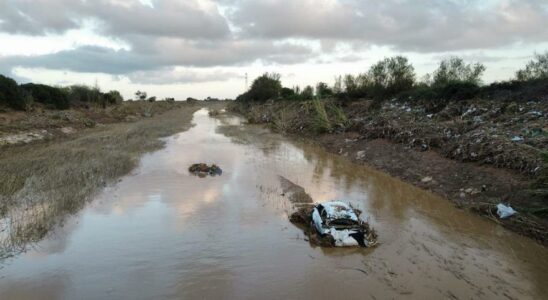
x,y
202,170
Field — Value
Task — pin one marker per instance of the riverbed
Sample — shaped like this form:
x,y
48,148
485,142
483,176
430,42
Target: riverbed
x,y
162,233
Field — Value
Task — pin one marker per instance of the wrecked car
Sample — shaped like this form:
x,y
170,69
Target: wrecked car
x,y
334,224
340,221
202,170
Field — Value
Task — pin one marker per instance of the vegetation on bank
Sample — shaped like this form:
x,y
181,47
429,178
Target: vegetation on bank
x,y
394,77
451,111
21,97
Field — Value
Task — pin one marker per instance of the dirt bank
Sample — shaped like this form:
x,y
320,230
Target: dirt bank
x,y
475,153
43,181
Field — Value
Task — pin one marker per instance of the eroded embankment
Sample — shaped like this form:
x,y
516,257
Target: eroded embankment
x,y
41,183
476,153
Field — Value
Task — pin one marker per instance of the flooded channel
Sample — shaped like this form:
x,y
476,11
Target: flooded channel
x,y
162,233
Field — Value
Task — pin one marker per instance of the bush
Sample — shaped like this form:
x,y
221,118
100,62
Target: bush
x,y
287,93
114,97
51,96
391,76
535,69
265,87
323,90
356,87
10,93
307,93
455,70
84,94
141,95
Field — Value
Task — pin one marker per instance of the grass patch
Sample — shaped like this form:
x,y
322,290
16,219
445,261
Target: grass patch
x,y
320,120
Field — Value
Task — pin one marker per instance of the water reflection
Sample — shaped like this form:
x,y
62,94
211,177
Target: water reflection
x,y
163,233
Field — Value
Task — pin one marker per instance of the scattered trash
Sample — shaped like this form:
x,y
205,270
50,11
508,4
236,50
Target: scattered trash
x,y
517,139
505,211
202,170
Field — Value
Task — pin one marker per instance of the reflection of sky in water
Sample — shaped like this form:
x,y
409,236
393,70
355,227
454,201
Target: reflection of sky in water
x,y
162,232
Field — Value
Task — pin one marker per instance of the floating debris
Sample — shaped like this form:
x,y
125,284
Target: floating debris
x,y
202,170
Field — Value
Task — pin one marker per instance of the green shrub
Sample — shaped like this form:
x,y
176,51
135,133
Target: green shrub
x,y
287,93
535,69
265,87
320,119
84,94
455,70
10,93
307,93
114,97
323,90
51,96
391,76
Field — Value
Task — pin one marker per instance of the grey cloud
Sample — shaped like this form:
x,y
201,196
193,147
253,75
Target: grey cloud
x,y
423,26
166,53
186,19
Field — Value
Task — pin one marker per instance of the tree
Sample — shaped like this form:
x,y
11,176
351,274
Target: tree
x,y
10,94
535,69
338,86
49,95
141,95
455,70
323,90
152,99
287,93
263,88
114,97
307,93
392,75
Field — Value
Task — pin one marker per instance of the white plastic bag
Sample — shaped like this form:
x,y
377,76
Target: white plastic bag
x,y
505,211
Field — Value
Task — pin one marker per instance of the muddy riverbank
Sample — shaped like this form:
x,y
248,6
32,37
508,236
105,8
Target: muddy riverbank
x,y
464,153
164,233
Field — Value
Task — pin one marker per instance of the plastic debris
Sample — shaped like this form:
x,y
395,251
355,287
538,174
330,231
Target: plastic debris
x,y
517,139
505,211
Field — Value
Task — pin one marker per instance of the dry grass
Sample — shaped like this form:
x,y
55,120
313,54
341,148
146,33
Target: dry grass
x,y
42,183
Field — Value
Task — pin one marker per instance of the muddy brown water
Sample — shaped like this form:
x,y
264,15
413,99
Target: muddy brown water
x,y
162,233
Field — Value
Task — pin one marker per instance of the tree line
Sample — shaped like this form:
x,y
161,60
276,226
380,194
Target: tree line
x,y
454,79
22,96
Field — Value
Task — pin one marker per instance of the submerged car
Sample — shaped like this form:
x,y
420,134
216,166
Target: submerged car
x,y
340,221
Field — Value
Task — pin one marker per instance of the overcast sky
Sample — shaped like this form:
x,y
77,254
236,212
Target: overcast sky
x,y
200,48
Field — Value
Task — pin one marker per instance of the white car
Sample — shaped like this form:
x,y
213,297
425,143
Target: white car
x,y
339,220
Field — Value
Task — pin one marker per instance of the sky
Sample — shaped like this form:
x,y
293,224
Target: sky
x,y
201,48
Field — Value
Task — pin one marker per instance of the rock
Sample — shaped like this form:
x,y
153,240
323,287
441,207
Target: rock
x,y
360,154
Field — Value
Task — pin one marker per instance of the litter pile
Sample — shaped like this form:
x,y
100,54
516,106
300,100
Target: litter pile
x,y
202,170
334,224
